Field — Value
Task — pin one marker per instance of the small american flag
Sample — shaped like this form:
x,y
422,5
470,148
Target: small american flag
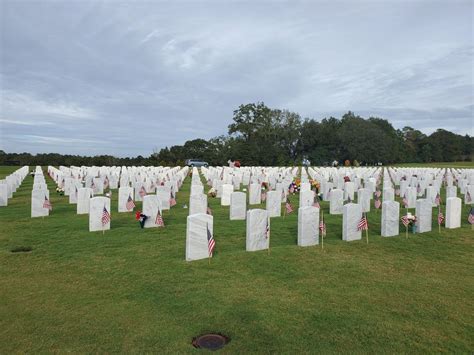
x,y
468,197
172,200
470,218
159,219
363,224
288,206
208,210
316,204
440,218
267,229
378,193
377,203
130,205
418,188
397,192
405,221
291,189
322,228
211,243
142,192
349,199
437,199
405,201
264,196
92,185
47,204
106,182
105,216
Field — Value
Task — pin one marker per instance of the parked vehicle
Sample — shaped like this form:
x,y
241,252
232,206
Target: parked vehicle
x,y
196,163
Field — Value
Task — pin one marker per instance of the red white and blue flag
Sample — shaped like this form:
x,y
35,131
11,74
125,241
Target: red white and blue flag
x,y
363,224
159,219
211,243
105,216
130,205
47,204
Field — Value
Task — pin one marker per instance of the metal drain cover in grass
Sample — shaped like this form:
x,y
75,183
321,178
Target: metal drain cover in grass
x,y
212,341
21,249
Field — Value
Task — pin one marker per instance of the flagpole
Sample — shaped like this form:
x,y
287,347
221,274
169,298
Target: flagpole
x,y
439,224
367,229
407,224
322,232
268,221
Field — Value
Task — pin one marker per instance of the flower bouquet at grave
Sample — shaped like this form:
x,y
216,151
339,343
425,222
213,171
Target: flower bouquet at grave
x,y
295,186
141,218
60,191
315,185
265,186
212,192
411,222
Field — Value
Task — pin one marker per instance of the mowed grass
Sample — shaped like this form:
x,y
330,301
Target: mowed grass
x,y
130,290
458,165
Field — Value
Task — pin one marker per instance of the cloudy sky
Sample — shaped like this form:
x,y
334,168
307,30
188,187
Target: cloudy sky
x,y
124,78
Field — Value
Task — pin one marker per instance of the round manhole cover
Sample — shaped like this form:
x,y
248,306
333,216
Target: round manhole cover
x,y
21,249
211,341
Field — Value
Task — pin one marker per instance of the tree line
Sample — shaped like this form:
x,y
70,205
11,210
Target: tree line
x,y
259,135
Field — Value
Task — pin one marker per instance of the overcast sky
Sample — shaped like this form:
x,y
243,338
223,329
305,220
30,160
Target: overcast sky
x,y
124,78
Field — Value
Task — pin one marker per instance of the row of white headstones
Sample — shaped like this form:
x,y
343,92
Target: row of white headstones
x,y
10,184
225,180
162,183
413,183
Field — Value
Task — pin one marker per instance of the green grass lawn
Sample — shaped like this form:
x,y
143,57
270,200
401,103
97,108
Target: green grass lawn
x,y
130,290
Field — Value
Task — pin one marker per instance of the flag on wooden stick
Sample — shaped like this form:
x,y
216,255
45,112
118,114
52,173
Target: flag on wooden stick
x,y
105,216
288,206
159,219
47,204
130,205
363,224
470,218
172,200
211,243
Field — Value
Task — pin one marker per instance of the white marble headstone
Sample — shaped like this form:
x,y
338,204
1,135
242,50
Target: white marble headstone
x,y
273,203
257,237
164,195
150,209
37,201
308,226
423,215
97,205
227,189
196,236
255,193
453,212
83,200
197,204
238,206
123,194
3,194
352,214
390,218
336,202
